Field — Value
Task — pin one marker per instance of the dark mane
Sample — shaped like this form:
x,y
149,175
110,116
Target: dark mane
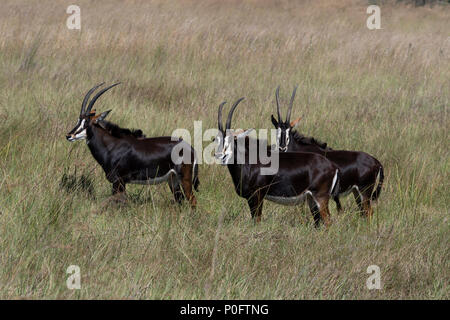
x,y
119,132
309,141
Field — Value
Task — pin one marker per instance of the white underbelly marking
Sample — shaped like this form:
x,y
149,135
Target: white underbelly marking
x,y
346,192
289,201
157,180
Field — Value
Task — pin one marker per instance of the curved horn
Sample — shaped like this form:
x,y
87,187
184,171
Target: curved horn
x,y
277,96
230,114
86,97
98,95
219,119
288,117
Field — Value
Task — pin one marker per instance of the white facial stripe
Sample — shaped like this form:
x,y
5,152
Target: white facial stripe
x,y
227,147
227,142
80,132
219,145
278,137
224,151
81,135
220,149
287,137
81,126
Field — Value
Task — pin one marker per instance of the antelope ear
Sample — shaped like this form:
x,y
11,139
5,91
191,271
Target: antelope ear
x,y
245,133
294,123
102,116
274,121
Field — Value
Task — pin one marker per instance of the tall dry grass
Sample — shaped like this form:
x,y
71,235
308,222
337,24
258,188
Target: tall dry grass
x,y
385,92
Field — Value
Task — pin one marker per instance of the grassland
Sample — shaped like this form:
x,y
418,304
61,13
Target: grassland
x,y
382,91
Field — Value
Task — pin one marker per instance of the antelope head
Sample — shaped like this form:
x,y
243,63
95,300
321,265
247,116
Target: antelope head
x,y
226,139
87,115
284,128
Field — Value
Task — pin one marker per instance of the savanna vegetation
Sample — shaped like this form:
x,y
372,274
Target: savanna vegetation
x,y
383,91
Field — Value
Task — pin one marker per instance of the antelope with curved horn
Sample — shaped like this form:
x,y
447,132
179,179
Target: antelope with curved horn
x,y
128,157
361,173
299,175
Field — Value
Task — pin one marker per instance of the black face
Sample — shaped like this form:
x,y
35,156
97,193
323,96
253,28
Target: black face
x,y
86,115
79,131
283,132
224,147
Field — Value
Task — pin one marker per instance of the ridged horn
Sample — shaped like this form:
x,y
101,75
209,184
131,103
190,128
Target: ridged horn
x,y
277,97
219,118
86,97
230,114
91,103
288,117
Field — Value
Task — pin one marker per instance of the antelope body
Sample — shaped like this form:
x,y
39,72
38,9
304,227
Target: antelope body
x,y
300,175
361,173
127,156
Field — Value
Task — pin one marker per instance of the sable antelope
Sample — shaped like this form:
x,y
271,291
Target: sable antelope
x,y
127,156
299,175
359,170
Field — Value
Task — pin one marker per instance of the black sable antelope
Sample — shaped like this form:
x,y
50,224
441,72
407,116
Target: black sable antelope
x,y
359,170
299,175
127,156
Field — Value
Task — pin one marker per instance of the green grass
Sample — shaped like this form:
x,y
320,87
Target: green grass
x,y
385,92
